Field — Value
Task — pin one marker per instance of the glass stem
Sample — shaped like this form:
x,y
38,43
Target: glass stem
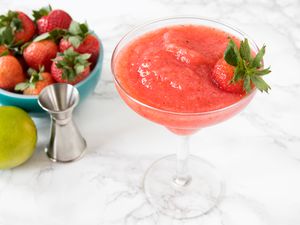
x,y
182,177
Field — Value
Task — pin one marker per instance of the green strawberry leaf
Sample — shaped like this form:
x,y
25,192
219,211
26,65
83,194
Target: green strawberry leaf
x,y
77,33
41,37
84,28
2,21
247,84
21,86
54,35
245,50
37,14
35,76
72,63
4,53
16,24
61,64
57,34
79,68
230,55
31,72
258,58
83,57
262,72
260,84
75,41
238,73
11,20
74,28
247,68
7,36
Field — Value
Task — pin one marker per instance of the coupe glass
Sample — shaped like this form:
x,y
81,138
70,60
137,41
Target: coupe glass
x,y
181,185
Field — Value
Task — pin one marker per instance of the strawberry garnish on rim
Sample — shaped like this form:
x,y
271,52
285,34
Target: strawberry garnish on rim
x,y
239,71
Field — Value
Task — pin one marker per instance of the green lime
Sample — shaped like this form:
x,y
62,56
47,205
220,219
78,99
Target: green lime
x,y
18,136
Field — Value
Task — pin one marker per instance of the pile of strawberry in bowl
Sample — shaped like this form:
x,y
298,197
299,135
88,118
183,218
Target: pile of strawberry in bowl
x,y
50,48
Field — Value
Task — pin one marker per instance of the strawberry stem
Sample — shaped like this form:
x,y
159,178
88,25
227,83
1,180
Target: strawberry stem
x,y
37,14
72,63
9,24
35,76
247,68
77,33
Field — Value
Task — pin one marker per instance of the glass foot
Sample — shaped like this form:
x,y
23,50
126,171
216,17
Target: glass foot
x,y
193,199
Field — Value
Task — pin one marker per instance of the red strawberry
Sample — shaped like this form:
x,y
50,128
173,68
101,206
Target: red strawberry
x,y
38,54
89,45
11,72
70,67
222,75
239,72
27,29
55,19
82,41
37,82
17,26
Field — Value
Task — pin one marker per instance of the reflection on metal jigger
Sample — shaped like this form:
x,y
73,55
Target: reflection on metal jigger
x,y
66,143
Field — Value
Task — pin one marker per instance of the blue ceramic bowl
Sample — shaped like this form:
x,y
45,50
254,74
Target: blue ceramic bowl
x,y
30,104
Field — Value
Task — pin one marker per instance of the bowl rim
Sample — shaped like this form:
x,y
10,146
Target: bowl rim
x,y
137,28
35,97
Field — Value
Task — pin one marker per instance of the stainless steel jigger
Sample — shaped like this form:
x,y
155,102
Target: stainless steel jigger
x,y
66,143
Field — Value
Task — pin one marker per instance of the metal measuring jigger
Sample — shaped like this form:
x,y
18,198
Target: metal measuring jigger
x,y
66,143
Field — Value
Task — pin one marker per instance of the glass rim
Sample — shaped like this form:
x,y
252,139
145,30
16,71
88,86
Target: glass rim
x,y
136,28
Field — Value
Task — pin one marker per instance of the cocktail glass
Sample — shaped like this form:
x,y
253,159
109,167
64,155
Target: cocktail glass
x,y
181,186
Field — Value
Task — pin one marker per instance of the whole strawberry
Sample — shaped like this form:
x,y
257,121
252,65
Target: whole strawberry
x,y
16,27
239,72
40,53
82,41
48,19
70,67
11,72
37,82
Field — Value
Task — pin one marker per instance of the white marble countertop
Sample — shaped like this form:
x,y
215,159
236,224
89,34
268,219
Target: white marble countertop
x,y
258,151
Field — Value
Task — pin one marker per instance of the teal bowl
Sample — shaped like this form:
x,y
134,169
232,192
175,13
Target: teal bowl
x,y
30,103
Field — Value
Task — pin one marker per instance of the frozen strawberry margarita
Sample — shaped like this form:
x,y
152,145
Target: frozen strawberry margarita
x,y
181,69
186,73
